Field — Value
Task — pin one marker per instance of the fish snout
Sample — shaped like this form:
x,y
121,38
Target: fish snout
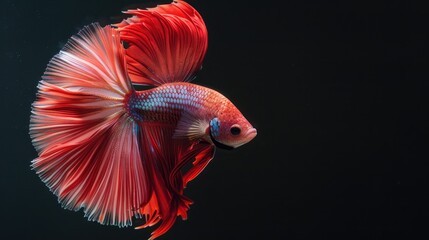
x,y
251,133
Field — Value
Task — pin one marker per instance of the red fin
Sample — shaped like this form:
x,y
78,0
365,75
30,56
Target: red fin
x,y
166,43
166,157
201,160
89,155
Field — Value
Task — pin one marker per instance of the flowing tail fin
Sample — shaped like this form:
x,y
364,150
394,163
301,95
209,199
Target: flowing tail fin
x,y
89,154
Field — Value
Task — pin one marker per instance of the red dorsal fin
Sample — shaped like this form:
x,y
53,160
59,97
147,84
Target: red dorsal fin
x,y
166,43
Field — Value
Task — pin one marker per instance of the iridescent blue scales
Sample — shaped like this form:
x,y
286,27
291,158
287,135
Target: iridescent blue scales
x,y
215,127
169,101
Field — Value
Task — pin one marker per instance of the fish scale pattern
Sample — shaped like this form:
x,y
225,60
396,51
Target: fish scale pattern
x,y
168,102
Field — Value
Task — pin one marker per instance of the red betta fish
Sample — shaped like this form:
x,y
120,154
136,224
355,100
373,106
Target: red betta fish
x,y
120,153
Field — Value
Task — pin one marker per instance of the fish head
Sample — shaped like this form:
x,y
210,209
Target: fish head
x,y
230,129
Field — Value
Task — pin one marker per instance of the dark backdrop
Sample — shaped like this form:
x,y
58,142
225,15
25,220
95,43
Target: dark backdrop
x,y
336,91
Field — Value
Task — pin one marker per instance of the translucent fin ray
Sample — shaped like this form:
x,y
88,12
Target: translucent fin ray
x,y
88,154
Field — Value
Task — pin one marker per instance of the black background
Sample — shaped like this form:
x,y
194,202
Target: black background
x,y
336,91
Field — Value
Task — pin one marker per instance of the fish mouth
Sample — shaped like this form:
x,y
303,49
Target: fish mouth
x,y
251,133
248,136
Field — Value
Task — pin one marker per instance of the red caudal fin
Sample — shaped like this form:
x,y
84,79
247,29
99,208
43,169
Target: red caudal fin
x,y
89,153
166,43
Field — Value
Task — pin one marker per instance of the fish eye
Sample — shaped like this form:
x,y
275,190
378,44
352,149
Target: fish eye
x,y
235,130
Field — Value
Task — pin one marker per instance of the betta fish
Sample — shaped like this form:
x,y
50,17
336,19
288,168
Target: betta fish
x,y
120,153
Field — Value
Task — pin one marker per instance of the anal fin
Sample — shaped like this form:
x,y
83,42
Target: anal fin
x,y
165,156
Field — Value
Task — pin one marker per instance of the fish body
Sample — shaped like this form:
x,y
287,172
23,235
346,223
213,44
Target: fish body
x,y
169,101
192,109
118,153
